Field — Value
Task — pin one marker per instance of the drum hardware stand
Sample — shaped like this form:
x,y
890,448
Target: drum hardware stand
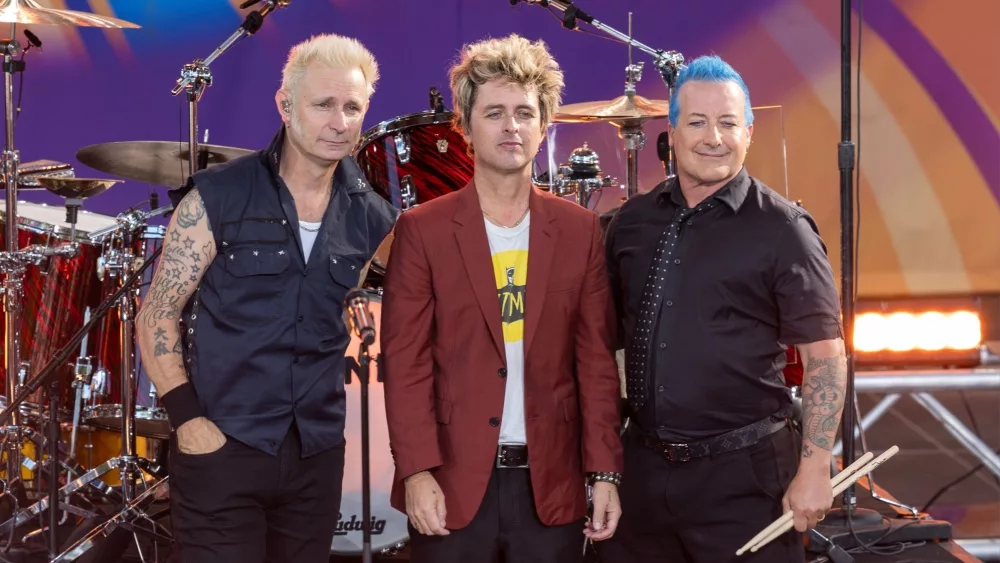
x,y
196,76
129,464
8,260
132,511
582,176
669,64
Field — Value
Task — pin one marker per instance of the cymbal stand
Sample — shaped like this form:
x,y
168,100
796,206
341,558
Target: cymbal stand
x,y
668,63
197,76
13,270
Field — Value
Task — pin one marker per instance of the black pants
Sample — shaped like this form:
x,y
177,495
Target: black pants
x,y
241,505
506,528
703,510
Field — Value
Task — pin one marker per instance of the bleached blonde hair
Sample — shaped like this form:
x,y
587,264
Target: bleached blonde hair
x,y
335,51
513,59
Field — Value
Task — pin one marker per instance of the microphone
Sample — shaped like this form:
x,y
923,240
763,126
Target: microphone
x,y
362,319
33,40
663,151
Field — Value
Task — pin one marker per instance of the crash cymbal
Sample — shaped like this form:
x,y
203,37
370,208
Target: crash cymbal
x,y
78,188
163,163
622,108
30,12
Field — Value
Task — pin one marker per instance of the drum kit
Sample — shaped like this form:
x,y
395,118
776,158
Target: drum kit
x,y
73,281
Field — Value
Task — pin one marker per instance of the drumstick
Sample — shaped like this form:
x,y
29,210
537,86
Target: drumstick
x,y
868,468
788,516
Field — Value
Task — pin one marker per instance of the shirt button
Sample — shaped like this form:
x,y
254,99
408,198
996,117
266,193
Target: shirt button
x,y
663,345
670,303
295,360
677,260
494,422
660,389
301,318
502,372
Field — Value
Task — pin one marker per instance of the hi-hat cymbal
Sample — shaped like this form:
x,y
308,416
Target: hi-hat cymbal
x,y
29,12
622,108
163,163
79,188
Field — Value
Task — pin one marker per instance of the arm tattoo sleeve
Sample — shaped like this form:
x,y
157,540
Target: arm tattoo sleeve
x,y
822,401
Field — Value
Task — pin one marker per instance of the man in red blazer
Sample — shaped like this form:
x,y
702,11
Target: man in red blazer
x,y
501,387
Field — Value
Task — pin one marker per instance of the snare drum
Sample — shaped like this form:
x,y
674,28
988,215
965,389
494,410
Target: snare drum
x,y
414,158
57,292
388,530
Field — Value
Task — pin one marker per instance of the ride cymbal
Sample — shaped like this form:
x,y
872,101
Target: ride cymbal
x,y
162,163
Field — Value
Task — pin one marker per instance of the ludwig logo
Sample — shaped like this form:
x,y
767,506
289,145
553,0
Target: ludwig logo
x,y
345,527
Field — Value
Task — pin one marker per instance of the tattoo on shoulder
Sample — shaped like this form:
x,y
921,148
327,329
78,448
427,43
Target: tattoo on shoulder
x,y
191,210
822,401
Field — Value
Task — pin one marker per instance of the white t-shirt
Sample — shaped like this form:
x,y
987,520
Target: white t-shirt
x,y
307,232
509,248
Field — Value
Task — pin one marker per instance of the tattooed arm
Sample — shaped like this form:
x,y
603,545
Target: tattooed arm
x,y
810,495
823,390
188,249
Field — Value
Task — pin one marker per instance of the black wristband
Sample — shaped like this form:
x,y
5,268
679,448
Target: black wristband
x,y
181,404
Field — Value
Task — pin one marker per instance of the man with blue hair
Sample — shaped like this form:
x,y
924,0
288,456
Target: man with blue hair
x,y
714,274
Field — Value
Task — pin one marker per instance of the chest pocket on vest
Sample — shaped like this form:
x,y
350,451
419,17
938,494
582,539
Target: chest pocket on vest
x,y
345,273
256,265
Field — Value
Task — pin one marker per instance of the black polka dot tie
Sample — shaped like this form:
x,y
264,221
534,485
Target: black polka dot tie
x,y
637,352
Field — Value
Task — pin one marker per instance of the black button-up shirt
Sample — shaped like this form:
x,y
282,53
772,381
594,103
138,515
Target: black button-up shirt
x,y
741,277
264,335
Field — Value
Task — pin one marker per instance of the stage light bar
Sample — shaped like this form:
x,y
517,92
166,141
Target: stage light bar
x,y
904,331
905,337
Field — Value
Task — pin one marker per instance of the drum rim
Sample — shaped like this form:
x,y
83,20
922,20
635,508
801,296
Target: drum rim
x,y
43,228
397,124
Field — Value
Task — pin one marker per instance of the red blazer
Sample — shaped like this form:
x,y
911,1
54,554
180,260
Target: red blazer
x,y
443,352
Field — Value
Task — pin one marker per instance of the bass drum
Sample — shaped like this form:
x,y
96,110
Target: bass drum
x,y
388,525
414,158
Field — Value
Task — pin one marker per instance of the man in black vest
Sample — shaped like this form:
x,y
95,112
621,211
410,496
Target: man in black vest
x,y
242,329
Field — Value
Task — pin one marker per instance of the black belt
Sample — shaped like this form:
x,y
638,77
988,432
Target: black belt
x,y
509,456
728,442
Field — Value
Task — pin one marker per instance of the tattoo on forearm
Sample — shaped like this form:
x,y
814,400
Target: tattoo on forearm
x,y
822,402
175,277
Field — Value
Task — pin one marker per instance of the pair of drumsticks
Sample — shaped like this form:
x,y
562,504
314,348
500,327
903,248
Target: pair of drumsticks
x,y
863,466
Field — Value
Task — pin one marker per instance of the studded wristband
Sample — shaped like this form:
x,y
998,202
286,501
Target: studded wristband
x,y
608,477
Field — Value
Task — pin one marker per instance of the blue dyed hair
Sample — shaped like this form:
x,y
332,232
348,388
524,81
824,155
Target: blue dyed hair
x,y
708,69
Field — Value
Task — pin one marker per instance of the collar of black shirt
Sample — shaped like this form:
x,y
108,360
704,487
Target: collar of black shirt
x,y
348,174
733,193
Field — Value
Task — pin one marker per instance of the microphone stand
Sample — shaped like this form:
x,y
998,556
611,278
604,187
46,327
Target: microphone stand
x,y
364,361
196,76
669,63
362,367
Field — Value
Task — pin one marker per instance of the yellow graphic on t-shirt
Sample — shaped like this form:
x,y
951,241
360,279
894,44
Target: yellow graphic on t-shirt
x,y
510,269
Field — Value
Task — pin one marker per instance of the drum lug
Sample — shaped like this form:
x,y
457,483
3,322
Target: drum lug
x,y
407,193
402,140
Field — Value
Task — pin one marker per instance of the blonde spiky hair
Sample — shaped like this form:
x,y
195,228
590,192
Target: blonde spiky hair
x,y
335,51
514,59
